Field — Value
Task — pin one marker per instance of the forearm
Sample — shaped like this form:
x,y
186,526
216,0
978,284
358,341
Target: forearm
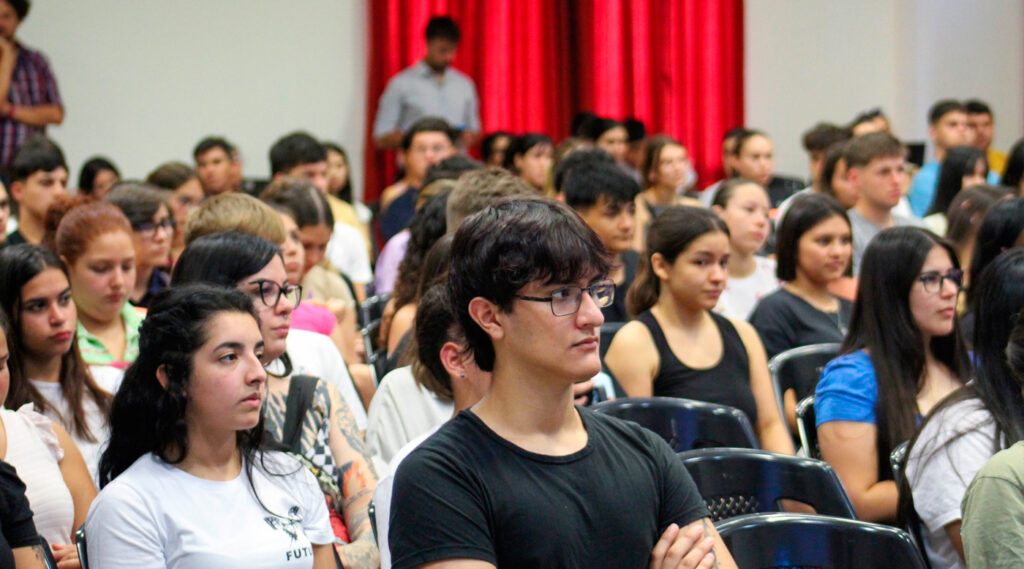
x,y
877,503
38,115
362,553
775,437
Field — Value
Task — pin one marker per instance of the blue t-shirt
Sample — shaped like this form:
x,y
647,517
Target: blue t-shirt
x,y
922,189
847,391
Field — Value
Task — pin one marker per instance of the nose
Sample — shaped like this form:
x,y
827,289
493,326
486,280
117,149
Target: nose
x,y
284,305
718,273
589,314
58,314
257,373
949,288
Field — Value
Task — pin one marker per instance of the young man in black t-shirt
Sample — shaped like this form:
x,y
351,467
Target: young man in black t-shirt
x,y
524,478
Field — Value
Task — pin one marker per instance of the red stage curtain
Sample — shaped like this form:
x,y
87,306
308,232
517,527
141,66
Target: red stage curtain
x,y
677,66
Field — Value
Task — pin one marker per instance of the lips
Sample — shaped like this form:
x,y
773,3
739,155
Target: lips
x,y
254,400
589,343
61,336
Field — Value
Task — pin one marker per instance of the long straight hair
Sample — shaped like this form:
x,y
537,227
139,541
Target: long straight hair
x,y
882,324
18,265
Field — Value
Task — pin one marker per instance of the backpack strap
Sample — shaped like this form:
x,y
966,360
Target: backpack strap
x,y
299,401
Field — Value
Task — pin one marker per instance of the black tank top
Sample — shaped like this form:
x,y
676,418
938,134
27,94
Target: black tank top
x,y
726,383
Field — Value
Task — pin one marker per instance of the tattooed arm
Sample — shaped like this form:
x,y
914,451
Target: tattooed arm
x,y
30,557
358,480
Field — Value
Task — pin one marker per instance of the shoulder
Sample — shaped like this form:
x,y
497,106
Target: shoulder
x,y
776,305
136,486
635,334
847,390
1006,465
953,422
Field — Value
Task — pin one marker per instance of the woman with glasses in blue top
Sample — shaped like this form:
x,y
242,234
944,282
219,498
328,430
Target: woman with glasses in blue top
x,y
902,355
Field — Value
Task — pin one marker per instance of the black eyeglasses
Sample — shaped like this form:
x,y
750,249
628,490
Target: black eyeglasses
x,y
566,300
270,292
932,281
148,229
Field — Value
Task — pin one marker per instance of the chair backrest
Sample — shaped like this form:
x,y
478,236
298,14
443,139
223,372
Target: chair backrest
x,y
896,461
806,427
373,308
684,423
736,481
376,356
80,544
762,541
48,560
799,369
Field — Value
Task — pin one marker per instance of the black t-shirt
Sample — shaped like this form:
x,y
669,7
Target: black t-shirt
x,y
786,321
16,526
616,311
468,493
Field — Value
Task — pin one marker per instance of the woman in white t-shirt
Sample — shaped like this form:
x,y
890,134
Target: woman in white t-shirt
x,y
743,205
46,366
185,482
57,482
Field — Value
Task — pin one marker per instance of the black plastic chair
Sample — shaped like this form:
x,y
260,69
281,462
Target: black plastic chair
x,y
80,544
371,510
763,541
376,356
48,560
799,369
684,423
737,481
806,427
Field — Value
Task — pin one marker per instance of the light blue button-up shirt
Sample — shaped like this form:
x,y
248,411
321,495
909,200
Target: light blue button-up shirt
x,y
416,93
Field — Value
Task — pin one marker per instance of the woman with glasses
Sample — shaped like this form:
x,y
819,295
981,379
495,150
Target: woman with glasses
x,y
305,414
963,431
95,241
902,356
677,347
152,234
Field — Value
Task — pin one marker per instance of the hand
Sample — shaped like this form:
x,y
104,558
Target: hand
x,y
66,556
686,548
581,391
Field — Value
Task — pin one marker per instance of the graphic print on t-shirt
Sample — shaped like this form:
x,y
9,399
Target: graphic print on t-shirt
x,y
290,525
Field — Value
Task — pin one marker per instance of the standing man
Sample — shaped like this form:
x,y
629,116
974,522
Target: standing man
x,y
429,88
524,478
30,98
982,123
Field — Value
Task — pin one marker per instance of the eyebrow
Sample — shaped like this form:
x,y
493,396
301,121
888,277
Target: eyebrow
x,y
230,344
44,298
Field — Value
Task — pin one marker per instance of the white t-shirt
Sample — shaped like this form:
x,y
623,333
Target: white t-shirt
x,y
950,450
315,354
94,419
382,496
400,411
347,252
156,515
741,295
34,450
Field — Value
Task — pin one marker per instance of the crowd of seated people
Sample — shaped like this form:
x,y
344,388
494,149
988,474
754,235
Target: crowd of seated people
x,y
204,334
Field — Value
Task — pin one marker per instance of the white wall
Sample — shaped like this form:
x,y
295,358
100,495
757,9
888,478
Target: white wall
x,y
143,81
811,60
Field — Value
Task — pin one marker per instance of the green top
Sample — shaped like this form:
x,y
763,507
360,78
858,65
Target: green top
x,y
993,513
95,353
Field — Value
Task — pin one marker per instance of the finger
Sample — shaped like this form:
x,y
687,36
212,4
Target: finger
x,y
660,548
708,562
688,547
698,553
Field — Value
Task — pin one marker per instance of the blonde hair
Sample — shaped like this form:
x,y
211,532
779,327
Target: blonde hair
x,y
234,212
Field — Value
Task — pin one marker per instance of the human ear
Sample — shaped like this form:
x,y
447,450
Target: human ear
x,y
451,359
15,190
660,266
161,376
718,210
486,316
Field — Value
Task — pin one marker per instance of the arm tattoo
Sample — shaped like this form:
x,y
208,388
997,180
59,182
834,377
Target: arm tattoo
x,y
707,533
346,422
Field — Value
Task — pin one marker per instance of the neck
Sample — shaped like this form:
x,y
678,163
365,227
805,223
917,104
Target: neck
x,y
814,293
741,264
940,154
31,229
660,195
677,315
212,454
525,403
880,216
47,369
96,326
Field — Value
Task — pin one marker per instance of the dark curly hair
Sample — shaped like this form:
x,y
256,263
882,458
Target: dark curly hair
x,y
146,417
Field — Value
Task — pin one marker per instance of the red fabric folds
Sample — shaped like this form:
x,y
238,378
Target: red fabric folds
x,y
677,66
